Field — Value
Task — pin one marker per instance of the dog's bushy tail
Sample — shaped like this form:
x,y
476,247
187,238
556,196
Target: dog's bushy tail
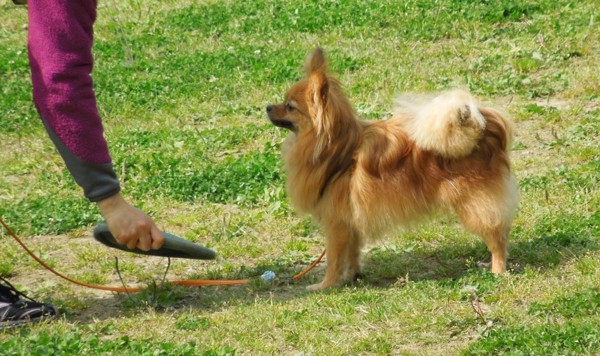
x,y
450,124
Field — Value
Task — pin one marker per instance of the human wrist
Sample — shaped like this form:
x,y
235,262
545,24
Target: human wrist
x,y
110,203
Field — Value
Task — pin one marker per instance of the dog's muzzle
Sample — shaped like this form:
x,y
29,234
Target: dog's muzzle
x,y
278,122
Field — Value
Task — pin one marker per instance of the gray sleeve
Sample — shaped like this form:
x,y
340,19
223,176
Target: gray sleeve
x,y
98,181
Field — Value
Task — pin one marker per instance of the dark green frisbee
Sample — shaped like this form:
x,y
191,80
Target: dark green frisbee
x,y
174,246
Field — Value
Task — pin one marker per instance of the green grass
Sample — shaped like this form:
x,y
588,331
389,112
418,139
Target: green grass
x,y
182,88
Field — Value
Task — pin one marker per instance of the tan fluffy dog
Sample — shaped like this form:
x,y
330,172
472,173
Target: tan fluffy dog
x,y
359,179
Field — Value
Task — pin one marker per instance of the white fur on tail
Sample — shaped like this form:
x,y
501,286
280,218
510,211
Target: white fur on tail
x,y
449,124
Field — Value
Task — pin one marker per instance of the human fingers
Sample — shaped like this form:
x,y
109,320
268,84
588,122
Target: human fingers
x,y
132,242
145,238
157,237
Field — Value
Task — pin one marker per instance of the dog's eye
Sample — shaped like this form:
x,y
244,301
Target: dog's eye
x,y
289,107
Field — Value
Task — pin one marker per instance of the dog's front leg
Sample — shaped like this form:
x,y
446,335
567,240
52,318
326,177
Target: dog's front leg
x,y
352,257
337,235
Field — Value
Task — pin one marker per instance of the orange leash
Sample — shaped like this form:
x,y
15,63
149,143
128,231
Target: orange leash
x,y
312,265
185,282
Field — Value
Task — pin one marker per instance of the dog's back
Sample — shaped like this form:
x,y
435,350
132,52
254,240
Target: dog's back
x,y
434,154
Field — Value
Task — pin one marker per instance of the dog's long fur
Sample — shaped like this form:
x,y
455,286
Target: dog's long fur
x,y
360,179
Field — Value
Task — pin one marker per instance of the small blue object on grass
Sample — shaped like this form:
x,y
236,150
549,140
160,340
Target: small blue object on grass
x,y
268,276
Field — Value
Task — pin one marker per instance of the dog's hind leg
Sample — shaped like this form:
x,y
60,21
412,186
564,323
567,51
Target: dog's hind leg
x,y
489,213
497,244
338,239
495,238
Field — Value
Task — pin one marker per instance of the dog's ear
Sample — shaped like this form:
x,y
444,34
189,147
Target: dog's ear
x,y
315,63
318,81
318,87
320,109
326,103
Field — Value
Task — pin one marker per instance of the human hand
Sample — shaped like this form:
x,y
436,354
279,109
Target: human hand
x,y
129,225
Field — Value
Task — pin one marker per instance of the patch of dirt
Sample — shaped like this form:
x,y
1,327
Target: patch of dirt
x,y
537,144
73,256
42,284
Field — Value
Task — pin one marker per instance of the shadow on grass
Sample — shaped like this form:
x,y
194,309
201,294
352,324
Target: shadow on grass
x,y
548,244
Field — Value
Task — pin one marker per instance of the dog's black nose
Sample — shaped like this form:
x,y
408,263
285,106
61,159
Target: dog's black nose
x,y
269,108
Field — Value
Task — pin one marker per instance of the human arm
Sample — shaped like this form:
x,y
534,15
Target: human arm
x,y
60,56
